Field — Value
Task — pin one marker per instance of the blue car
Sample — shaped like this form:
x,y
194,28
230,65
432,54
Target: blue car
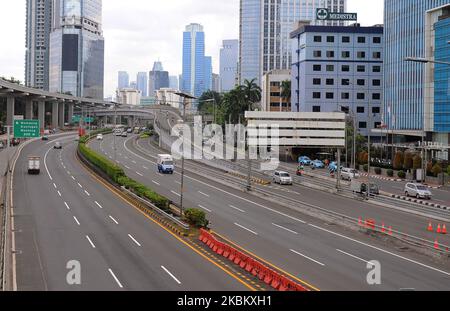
x,y
332,167
304,160
317,164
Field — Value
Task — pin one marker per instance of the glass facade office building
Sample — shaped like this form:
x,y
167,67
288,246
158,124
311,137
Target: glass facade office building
x,y
404,26
77,48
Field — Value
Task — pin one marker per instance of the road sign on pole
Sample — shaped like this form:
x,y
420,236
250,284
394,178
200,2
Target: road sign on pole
x,y
27,129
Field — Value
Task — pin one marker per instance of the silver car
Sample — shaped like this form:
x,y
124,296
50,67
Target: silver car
x,y
282,178
418,191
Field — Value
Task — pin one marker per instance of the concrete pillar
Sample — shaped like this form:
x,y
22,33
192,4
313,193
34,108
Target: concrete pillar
x,y
129,121
29,109
105,120
41,114
54,115
70,107
61,114
10,102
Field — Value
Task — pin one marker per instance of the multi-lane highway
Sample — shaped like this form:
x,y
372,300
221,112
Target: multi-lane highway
x,y
65,215
321,254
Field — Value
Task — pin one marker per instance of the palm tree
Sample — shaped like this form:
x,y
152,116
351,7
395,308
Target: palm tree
x,y
285,92
251,92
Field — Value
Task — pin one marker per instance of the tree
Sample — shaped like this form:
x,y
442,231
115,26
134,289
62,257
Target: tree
x,y
417,162
436,170
233,105
448,170
398,160
251,92
286,91
408,161
205,100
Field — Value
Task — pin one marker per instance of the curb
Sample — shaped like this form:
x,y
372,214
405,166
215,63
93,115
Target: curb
x,y
396,179
418,201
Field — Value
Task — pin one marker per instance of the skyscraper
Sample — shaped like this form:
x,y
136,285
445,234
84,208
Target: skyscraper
x,y
158,78
404,23
229,55
208,73
264,32
123,80
142,83
38,26
173,82
77,48
195,64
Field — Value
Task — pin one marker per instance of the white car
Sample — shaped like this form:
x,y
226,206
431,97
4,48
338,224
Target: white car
x,y
418,191
282,178
99,136
349,174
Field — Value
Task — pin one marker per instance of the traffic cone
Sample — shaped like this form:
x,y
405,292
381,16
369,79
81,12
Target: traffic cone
x,y
439,229
383,229
430,227
360,221
444,229
390,230
436,244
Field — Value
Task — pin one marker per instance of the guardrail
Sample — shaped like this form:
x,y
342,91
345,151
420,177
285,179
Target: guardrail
x,y
4,207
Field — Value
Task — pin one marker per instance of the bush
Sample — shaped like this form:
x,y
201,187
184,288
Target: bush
x,y
401,174
436,170
378,170
108,167
366,167
398,160
196,217
390,173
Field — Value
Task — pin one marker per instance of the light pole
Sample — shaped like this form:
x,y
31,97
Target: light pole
x,y
185,97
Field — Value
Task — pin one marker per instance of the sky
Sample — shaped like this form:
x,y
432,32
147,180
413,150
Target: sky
x,y
144,31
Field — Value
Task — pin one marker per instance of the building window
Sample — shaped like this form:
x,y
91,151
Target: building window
x,y
376,82
345,39
345,54
361,68
362,125
377,40
345,109
330,67
360,109
316,108
377,125
316,81
317,53
377,55
376,69
345,82
360,96
317,67
330,95
345,96
361,39
330,39
317,39
376,96
361,82
345,68
330,54
376,110
361,54
316,95
330,81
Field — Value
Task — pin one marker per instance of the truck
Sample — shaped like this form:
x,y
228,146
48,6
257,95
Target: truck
x,y
165,164
34,165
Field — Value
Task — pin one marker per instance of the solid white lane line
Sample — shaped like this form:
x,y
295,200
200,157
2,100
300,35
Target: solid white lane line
x,y
156,183
134,240
112,218
45,164
139,174
59,193
115,278
353,256
76,220
90,241
241,226
67,205
202,193
202,207
281,227
238,209
98,204
176,193
309,258
381,250
54,185
171,275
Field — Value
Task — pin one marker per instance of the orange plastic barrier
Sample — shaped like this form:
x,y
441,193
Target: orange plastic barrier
x,y
268,276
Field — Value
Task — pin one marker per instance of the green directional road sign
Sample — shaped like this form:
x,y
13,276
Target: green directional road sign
x,y
76,119
27,129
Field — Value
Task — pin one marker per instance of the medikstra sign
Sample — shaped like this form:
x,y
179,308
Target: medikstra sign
x,y
324,14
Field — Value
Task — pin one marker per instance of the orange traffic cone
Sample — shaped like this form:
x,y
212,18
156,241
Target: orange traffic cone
x,y
390,230
383,229
360,221
444,229
439,229
436,244
430,227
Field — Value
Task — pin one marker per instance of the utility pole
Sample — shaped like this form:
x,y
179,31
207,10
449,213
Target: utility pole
x,y
338,182
115,126
182,161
